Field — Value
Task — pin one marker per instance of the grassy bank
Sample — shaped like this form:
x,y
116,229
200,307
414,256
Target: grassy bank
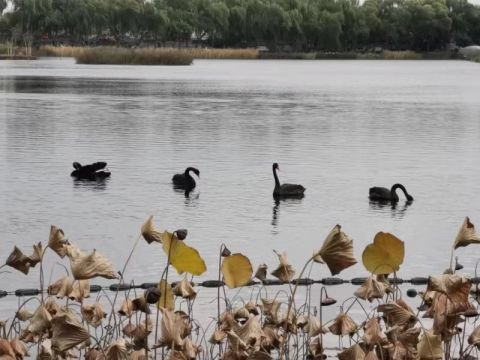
x,y
384,55
123,56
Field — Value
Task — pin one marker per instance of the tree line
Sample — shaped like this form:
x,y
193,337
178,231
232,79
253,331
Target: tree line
x,y
299,25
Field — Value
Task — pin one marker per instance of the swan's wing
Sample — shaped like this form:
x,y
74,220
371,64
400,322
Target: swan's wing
x,y
379,192
292,189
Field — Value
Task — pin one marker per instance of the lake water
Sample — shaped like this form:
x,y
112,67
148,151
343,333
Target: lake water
x,y
337,127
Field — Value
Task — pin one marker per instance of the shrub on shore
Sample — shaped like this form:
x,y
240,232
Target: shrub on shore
x,y
59,51
124,56
209,53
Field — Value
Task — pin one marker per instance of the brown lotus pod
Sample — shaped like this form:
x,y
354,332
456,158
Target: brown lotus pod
x,y
152,295
225,252
181,234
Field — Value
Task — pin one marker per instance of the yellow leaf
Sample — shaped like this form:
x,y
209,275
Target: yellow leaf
x,y
182,257
237,270
166,298
385,255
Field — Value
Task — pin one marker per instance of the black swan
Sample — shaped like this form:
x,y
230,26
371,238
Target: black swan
x,y
384,194
95,171
285,190
185,181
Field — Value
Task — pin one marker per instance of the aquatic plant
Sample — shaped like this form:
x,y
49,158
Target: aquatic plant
x,y
160,322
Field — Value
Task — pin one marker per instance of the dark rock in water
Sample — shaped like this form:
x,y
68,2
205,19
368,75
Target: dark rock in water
x,y
95,171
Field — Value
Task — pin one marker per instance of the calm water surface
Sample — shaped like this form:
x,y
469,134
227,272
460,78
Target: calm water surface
x,y
337,127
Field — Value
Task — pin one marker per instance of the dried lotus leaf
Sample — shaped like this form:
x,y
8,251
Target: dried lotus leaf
x,y
336,251
261,273
67,333
150,232
57,241
466,235
92,265
343,325
284,271
371,289
185,290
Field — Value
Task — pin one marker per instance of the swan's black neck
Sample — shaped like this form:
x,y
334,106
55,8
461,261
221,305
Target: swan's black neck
x,y
401,187
277,182
187,170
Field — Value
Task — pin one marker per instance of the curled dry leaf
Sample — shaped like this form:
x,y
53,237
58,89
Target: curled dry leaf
x,y
237,270
18,261
172,329
126,309
259,355
397,313
67,333
371,289
456,287
117,350
314,327
336,251
94,354
284,271
354,352
80,291
129,330
241,314
251,308
166,300
217,337
19,348
466,235
45,352
185,290
57,241
150,232
40,321
270,307
24,315
227,321
315,348
93,314
189,349
385,255
138,355
140,304
372,333
61,288
261,273
343,325
271,340
182,257
251,332
6,350
236,343
430,346
474,338
92,265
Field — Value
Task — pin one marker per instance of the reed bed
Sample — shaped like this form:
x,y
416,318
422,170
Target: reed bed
x,y
401,55
210,53
59,51
124,56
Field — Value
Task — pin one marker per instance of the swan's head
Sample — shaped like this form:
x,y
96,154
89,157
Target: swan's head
x,y
275,166
196,171
409,197
77,165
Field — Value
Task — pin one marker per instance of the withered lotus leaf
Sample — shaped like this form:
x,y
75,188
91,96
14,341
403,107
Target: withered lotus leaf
x,y
127,308
241,314
93,314
80,291
129,329
251,308
61,288
343,325
261,273
371,355
372,332
140,304
456,287
474,338
19,348
138,355
371,289
45,352
37,254
336,251
314,327
92,265
18,261
270,307
117,350
251,332
40,321
397,313
271,340
176,355
259,355
315,348
430,346
236,270
24,315
150,232
185,290
284,271
182,257
166,300
236,343
172,328
67,333
227,321
354,352
189,349
94,354
385,255
466,235
217,337
6,350
57,241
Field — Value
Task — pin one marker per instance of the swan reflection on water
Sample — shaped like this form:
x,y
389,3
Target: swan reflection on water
x,y
287,202
95,185
397,210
